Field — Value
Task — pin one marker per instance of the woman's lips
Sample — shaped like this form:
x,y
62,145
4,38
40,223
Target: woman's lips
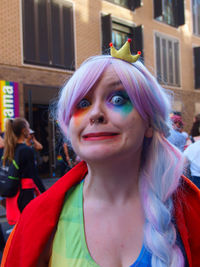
x,y
99,136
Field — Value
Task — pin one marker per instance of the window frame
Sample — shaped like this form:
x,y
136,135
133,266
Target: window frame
x,y
196,56
172,77
121,29
65,60
136,34
131,4
195,24
178,11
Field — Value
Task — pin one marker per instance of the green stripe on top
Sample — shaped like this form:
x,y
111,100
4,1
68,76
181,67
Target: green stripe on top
x,y
69,245
13,178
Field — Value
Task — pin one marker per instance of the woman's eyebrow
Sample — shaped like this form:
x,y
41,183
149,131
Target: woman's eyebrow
x,y
116,83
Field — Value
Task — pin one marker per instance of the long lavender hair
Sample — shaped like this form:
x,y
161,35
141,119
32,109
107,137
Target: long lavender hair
x,y
162,164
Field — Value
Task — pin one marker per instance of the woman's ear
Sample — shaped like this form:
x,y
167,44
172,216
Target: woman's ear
x,y
149,132
25,132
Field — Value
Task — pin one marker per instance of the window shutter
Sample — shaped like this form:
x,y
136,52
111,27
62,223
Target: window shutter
x,y
29,40
42,42
133,4
68,33
106,24
56,48
157,8
179,12
197,66
137,40
158,58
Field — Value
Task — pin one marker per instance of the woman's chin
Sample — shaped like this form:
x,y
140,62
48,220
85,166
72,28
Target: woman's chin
x,y
98,155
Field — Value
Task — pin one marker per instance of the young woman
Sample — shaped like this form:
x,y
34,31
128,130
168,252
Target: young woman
x,y
126,203
23,168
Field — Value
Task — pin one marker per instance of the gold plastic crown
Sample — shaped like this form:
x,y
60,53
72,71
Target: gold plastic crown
x,y
124,52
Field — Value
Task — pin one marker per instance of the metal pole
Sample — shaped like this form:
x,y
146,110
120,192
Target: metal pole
x,y
30,109
54,147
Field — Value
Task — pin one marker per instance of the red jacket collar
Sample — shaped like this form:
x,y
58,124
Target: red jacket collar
x,y
41,216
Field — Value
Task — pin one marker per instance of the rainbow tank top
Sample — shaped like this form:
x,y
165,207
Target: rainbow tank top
x,y
69,245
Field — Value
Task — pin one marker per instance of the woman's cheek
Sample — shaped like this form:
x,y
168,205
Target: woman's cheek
x,y
79,115
123,110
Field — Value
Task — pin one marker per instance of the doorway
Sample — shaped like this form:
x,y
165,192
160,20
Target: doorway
x,y
37,112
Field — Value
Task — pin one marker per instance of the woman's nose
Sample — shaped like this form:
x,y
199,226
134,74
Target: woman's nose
x,y
98,120
98,115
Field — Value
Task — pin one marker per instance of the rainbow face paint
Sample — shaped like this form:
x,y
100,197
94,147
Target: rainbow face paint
x,y
120,102
80,113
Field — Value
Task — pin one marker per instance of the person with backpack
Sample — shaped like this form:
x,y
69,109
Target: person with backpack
x,y
21,168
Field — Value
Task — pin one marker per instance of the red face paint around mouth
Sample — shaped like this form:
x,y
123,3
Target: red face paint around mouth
x,y
99,136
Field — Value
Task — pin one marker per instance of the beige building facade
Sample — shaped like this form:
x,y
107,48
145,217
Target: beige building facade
x,y
44,41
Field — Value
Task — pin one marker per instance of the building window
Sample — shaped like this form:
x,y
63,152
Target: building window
x,y
48,33
118,33
196,16
167,60
170,12
197,66
130,4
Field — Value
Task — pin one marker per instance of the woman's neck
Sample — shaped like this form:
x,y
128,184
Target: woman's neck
x,y
21,140
113,181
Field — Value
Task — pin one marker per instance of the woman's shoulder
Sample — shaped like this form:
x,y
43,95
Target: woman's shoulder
x,y
49,203
39,218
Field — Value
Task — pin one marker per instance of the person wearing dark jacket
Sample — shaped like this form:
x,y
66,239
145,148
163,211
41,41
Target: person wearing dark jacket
x,y
16,132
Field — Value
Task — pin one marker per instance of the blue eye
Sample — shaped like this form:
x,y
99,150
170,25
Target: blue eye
x,y
118,100
84,103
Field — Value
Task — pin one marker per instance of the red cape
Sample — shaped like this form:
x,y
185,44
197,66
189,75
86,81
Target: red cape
x,y
41,216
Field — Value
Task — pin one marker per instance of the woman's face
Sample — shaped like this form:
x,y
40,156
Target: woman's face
x,y
26,130
105,124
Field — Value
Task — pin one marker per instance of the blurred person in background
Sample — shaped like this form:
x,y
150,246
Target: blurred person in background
x,y
33,142
22,169
176,136
195,130
192,153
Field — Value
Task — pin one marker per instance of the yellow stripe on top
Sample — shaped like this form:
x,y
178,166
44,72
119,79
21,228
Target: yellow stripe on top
x,y
69,245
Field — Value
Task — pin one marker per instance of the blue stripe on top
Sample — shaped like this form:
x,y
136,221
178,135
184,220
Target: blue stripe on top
x,y
144,258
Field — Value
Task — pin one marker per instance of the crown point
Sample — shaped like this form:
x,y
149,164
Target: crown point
x,y
124,52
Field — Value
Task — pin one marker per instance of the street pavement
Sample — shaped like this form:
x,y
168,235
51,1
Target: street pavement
x,y
5,226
